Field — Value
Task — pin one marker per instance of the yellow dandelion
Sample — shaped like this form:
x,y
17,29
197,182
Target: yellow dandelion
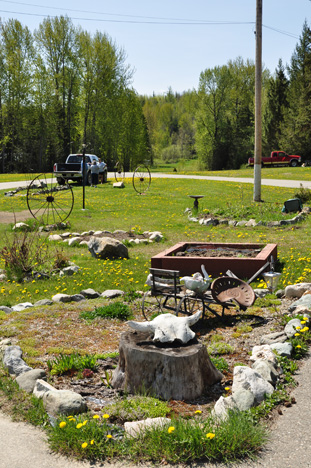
x,y
210,435
106,416
171,429
78,426
62,424
109,436
92,442
95,416
84,445
198,411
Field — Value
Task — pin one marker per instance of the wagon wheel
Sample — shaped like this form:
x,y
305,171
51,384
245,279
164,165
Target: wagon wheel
x,y
156,305
141,179
119,173
190,305
48,202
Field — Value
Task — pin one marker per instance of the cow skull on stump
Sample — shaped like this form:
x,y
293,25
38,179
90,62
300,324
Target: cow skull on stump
x,y
167,328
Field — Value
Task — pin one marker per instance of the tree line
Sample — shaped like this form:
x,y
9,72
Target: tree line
x,y
215,123
62,88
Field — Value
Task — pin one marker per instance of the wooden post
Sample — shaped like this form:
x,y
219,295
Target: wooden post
x,y
258,123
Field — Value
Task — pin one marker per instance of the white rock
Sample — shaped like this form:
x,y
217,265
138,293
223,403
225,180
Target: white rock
x,y
41,387
297,290
61,298
21,227
263,352
55,237
74,241
223,405
247,379
283,349
134,428
97,233
291,327
22,306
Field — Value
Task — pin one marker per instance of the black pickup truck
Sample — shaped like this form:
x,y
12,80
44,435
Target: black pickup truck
x,y
71,169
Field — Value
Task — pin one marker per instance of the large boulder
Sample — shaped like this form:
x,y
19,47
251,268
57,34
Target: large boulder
x,y
58,402
107,247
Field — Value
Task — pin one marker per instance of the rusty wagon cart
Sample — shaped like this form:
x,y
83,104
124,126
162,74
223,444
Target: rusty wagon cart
x,y
167,294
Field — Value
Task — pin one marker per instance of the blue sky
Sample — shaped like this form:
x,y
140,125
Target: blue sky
x,y
162,48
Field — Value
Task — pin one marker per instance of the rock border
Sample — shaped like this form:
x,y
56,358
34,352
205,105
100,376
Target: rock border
x,y
248,223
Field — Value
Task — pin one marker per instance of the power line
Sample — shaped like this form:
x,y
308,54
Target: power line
x,y
141,20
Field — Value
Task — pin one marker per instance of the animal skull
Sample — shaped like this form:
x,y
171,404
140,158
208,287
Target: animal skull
x,y
167,328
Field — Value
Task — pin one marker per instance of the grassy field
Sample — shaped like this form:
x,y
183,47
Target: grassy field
x,y
192,166
162,208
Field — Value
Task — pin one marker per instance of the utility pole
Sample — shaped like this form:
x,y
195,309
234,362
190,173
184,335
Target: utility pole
x,y
258,121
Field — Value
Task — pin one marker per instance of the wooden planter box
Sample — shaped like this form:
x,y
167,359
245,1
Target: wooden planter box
x,y
242,267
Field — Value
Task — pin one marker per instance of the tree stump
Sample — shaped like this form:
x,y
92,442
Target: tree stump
x,y
170,371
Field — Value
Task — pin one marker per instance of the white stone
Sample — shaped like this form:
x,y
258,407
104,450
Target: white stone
x,y
247,379
283,349
112,293
74,241
167,328
156,236
297,290
263,352
267,370
21,227
291,327
61,298
223,405
134,428
97,233
118,185
22,306
41,387
27,380
55,237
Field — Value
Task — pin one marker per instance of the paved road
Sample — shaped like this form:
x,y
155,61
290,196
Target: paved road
x,y
240,180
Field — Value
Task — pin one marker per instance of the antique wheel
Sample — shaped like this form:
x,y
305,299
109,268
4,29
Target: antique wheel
x,y
156,305
189,305
48,202
119,174
141,179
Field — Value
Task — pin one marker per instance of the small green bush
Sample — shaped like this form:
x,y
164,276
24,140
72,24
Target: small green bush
x,y
73,362
220,363
115,310
220,348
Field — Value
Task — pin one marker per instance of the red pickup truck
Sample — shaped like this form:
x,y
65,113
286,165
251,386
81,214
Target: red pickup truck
x,y
278,158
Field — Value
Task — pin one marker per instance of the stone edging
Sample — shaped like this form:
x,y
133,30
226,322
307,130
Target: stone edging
x,y
248,223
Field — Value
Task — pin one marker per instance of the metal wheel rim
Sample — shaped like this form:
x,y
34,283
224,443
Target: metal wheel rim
x,y
119,173
45,203
189,305
151,306
141,179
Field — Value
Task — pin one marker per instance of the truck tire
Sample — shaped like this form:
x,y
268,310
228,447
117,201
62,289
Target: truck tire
x,y
60,181
293,163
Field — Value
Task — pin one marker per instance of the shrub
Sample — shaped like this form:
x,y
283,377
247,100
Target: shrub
x,y
220,348
304,194
23,253
73,362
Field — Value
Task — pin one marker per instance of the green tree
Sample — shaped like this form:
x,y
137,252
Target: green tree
x,y
296,130
276,108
